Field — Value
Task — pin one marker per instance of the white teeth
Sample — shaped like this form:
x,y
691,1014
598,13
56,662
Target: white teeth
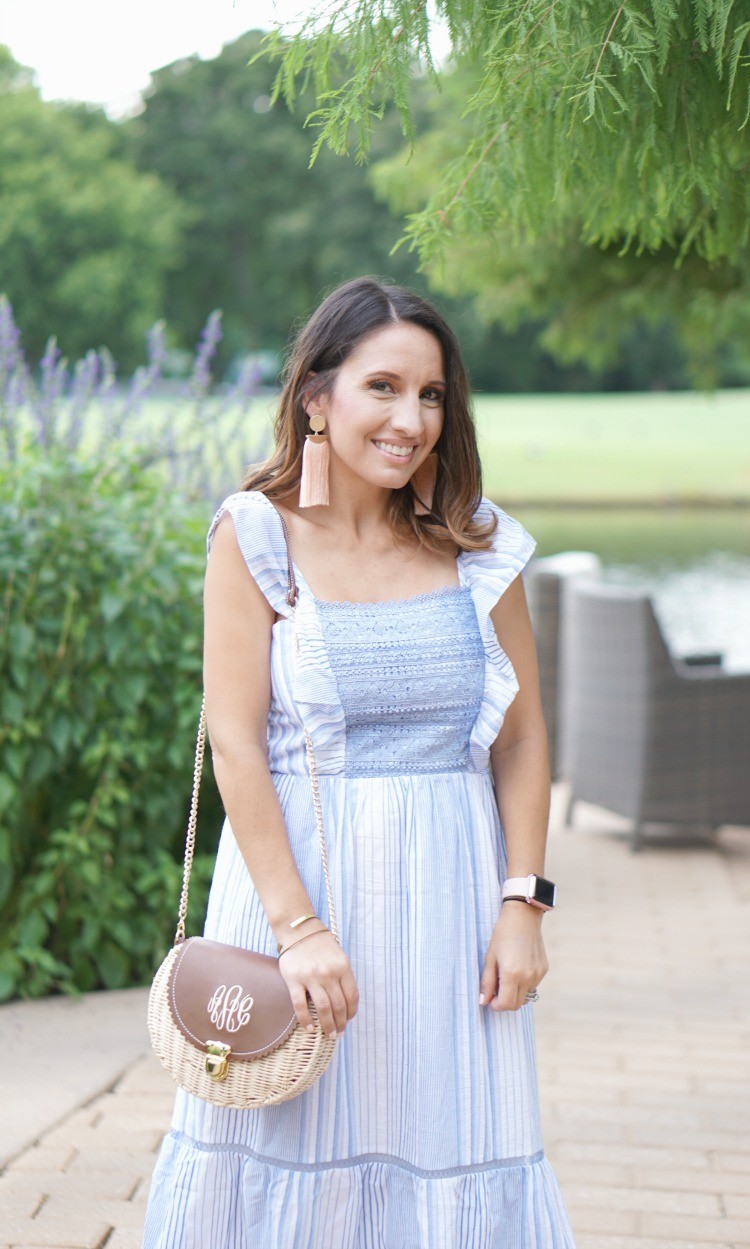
x,y
388,446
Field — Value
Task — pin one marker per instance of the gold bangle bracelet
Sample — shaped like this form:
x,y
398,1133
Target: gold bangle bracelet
x,y
301,918
295,924
283,949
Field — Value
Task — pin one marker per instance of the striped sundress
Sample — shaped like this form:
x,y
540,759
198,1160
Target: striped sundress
x,y
423,1133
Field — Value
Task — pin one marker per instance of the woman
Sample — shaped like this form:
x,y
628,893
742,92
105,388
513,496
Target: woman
x,y
416,677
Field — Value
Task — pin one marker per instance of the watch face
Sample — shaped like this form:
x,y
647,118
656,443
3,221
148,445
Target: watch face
x,y
544,891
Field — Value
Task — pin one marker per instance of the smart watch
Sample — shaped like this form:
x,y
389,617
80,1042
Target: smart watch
x,y
533,889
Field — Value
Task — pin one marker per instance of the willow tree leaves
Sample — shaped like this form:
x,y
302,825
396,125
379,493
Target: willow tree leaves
x,y
580,156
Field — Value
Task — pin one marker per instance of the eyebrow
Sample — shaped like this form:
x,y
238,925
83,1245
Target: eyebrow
x,y
397,377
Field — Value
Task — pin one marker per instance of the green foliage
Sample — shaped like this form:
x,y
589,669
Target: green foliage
x,y
594,304
85,239
267,241
100,678
582,159
263,236
631,114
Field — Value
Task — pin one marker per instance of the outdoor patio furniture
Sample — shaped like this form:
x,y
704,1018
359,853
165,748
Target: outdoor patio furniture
x,y
645,734
543,581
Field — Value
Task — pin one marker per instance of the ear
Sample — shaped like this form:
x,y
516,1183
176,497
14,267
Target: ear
x,y
316,405
308,404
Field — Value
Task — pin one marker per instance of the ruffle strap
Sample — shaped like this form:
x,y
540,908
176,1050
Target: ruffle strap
x,y
316,698
488,574
261,541
315,691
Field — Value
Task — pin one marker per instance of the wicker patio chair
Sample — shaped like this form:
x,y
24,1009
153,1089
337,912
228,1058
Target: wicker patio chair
x,y
655,738
543,581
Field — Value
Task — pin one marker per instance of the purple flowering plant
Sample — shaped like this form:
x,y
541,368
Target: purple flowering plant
x,y
200,433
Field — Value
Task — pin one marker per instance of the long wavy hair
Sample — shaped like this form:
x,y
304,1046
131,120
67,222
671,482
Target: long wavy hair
x,y
346,316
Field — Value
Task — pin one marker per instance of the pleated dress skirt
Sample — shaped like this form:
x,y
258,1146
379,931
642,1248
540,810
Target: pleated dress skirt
x,y
423,1133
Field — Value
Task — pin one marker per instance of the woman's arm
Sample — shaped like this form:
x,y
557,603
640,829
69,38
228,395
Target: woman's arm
x,y
519,760
236,663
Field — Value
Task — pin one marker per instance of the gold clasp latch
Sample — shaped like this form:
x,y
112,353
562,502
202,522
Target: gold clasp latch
x,y
217,1060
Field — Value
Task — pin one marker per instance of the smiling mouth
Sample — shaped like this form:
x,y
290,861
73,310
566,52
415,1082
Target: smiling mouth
x,y
394,450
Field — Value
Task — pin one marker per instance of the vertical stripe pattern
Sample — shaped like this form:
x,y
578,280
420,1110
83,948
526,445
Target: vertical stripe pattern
x,y
424,1132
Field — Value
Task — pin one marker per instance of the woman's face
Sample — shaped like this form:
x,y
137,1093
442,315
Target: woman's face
x,y
385,412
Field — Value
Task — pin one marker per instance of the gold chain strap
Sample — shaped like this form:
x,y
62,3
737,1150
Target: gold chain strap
x,y
200,747
321,833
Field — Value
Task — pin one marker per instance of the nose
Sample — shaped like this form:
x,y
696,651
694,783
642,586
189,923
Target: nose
x,y
406,416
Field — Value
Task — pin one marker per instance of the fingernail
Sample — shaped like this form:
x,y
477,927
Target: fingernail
x,y
482,999
333,1035
311,1027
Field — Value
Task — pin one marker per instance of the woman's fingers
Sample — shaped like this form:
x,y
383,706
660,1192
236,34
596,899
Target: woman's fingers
x,y
301,1005
331,1007
351,993
323,1007
509,996
324,976
503,988
338,1007
516,982
516,961
488,982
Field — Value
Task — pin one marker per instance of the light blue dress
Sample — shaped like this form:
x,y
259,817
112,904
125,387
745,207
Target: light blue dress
x,y
423,1133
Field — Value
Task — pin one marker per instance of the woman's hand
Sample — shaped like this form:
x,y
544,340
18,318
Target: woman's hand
x,y
515,962
318,966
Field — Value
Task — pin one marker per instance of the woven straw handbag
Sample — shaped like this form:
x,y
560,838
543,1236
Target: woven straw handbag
x,y
220,1018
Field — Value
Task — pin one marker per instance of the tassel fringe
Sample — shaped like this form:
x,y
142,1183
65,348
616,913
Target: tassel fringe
x,y
313,484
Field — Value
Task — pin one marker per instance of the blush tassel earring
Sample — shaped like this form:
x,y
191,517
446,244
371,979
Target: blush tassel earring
x,y
313,483
423,485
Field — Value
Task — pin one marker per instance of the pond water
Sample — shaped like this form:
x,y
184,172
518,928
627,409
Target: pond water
x,y
695,562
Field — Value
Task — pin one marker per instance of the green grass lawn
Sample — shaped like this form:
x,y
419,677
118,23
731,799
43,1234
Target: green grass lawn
x,y
606,448
547,449
668,449
652,537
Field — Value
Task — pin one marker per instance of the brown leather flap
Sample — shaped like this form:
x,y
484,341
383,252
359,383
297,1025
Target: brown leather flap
x,y
222,993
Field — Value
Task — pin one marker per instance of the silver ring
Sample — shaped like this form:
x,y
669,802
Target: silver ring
x,y
532,995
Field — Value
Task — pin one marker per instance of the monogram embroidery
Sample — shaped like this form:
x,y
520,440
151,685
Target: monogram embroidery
x,y
228,1009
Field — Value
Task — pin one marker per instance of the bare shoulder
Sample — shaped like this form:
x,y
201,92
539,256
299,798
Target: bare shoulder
x,y
237,630
228,581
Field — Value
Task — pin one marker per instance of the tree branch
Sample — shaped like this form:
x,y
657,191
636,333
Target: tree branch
x,y
605,45
443,212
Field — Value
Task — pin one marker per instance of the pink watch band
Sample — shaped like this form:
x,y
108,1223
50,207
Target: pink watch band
x,y
524,888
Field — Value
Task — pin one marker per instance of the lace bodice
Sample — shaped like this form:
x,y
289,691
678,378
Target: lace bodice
x,y
410,676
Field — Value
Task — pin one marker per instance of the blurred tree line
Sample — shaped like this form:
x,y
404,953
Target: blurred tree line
x,y
205,199
85,243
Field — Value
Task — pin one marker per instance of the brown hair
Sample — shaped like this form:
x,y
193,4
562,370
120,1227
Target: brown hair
x,y
349,313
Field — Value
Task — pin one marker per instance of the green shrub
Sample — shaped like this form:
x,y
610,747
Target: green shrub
x,y
101,570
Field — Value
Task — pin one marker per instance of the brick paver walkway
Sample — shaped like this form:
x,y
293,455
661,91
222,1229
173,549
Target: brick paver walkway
x,y
644,1060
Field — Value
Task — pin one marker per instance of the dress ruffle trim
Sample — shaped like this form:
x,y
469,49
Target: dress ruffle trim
x,y
315,691
488,575
261,541
509,1204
